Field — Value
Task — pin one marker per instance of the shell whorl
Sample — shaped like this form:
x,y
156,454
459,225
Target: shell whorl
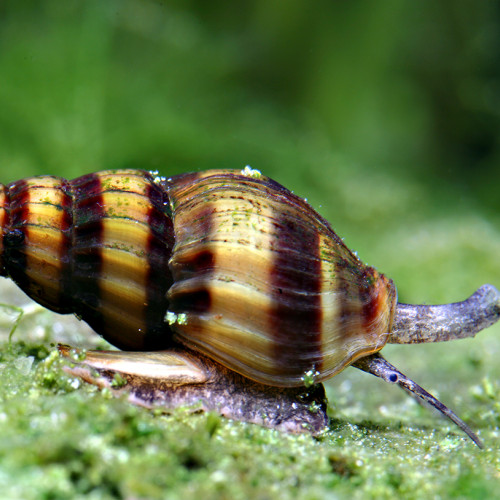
x,y
93,246
244,271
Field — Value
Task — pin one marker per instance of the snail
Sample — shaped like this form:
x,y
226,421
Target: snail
x,y
221,288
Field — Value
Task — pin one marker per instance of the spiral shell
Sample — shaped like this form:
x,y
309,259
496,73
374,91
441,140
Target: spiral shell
x,y
227,263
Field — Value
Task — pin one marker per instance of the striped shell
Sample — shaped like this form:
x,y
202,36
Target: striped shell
x,y
226,263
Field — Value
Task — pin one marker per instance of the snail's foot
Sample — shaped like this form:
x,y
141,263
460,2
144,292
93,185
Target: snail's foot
x,y
172,379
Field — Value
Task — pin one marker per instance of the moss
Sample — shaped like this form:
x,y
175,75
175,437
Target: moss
x,y
61,438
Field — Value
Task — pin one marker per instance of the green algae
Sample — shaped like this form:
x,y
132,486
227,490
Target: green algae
x,y
60,438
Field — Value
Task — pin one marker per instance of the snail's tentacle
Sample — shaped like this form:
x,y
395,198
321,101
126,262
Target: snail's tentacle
x,y
414,324
378,366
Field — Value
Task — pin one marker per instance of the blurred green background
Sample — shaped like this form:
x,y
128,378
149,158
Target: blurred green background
x,y
384,115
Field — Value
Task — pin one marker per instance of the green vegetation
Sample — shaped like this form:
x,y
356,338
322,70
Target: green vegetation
x,y
385,117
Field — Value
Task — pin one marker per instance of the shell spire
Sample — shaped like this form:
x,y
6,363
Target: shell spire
x,y
97,246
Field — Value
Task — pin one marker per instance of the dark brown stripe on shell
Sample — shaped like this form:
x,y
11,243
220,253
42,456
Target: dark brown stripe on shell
x,y
198,301
14,236
4,228
295,286
198,264
66,299
88,213
159,280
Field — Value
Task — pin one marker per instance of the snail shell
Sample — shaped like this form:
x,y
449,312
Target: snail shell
x,y
227,263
